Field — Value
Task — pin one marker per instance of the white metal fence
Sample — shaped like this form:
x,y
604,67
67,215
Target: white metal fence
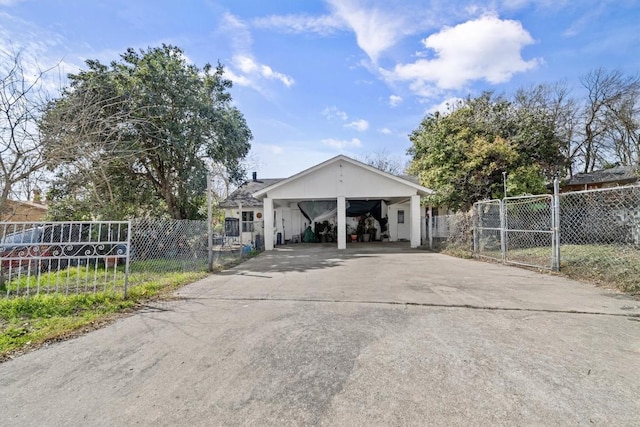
x,y
63,257
78,257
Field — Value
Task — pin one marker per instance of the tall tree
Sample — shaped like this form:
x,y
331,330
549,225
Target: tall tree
x,y
609,119
384,161
149,124
22,98
463,154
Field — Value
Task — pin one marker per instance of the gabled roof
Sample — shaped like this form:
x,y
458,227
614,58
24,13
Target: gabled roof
x,y
261,193
621,174
244,194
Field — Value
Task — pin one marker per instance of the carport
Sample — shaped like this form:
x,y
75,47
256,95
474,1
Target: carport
x,y
343,180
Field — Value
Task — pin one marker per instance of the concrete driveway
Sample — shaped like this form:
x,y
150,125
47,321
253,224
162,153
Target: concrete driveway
x,y
369,336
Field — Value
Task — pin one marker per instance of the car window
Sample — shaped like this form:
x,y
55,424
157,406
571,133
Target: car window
x,y
27,236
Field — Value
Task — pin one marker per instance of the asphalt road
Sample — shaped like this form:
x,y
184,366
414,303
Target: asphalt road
x,y
365,337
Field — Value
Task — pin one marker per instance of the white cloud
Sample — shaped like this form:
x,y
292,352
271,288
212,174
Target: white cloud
x,y
334,113
360,125
245,64
268,73
250,72
245,70
235,28
323,25
395,100
237,78
446,106
486,48
385,131
342,143
376,29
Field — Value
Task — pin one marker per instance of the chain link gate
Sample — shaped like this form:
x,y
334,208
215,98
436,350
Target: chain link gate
x,y
529,231
518,230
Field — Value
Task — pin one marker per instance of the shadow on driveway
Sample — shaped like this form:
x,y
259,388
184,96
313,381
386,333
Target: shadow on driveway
x,y
314,256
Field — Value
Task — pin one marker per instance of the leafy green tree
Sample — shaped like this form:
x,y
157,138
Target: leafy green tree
x,y
463,154
147,127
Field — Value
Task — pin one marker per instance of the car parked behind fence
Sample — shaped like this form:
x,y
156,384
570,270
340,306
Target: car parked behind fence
x,y
31,248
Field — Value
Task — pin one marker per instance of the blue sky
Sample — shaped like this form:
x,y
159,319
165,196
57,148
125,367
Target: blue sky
x,y
317,78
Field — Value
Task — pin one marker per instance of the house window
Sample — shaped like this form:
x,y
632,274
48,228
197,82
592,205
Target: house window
x,y
400,216
247,221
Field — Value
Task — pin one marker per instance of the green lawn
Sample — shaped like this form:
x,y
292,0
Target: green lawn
x,y
28,321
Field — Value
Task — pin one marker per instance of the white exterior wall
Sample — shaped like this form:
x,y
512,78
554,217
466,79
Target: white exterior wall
x,y
399,231
340,179
246,236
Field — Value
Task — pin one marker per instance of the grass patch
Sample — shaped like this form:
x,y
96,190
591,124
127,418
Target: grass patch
x,y
28,322
614,266
459,251
610,265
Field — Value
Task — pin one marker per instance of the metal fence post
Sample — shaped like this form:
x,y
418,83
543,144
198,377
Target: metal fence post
x,y
475,218
503,230
127,259
209,227
555,218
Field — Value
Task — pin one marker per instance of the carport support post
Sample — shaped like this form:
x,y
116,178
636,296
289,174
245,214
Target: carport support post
x,y
342,223
268,223
430,226
415,221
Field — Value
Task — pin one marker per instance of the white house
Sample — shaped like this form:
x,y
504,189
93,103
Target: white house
x,y
338,192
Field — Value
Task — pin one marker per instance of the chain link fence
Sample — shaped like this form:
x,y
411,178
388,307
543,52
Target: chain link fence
x,y
488,230
600,236
80,257
590,235
453,233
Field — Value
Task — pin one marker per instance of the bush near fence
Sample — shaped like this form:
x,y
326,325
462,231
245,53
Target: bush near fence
x,y
458,229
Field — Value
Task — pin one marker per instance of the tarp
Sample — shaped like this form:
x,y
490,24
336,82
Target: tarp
x,y
320,210
363,207
309,236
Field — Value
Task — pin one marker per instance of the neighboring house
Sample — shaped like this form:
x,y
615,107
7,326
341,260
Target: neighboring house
x,y
338,191
246,210
22,211
605,178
